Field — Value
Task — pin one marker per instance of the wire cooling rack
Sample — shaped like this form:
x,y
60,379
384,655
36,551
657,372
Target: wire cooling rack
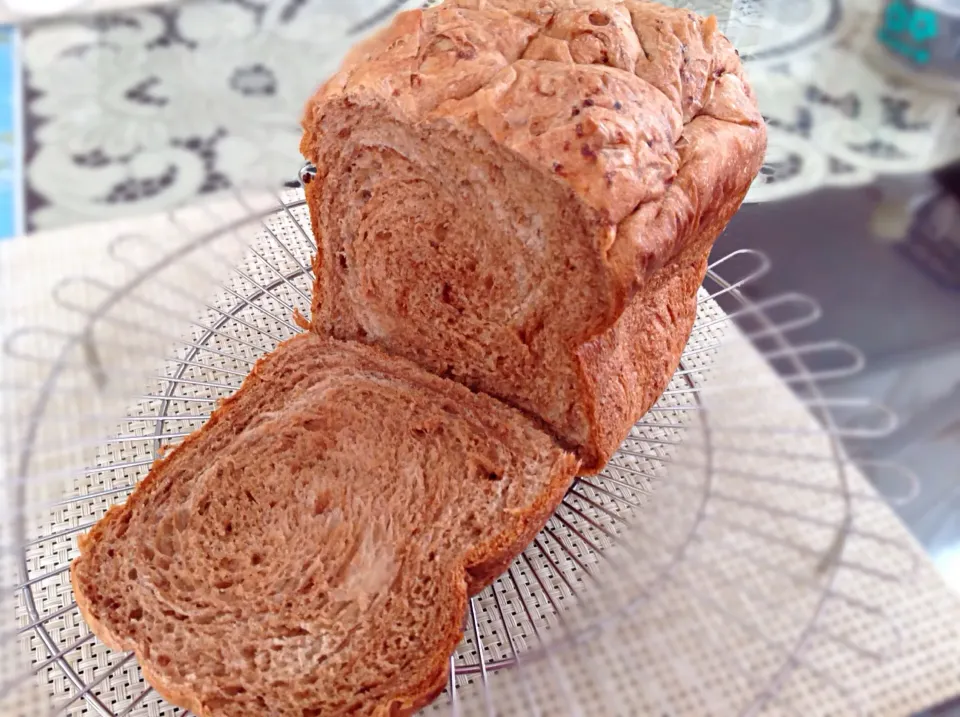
x,y
718,550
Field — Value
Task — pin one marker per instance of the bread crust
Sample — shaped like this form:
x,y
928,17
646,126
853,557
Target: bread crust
x,y
477,567
651,163
656,160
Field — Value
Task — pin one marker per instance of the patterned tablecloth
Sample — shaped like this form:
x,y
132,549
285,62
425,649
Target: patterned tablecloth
x,y
141,110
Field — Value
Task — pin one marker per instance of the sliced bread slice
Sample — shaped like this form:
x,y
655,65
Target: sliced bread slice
x,y
310,551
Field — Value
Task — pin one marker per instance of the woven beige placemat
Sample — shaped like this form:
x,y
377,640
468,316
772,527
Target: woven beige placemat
x,y
753,620
726,591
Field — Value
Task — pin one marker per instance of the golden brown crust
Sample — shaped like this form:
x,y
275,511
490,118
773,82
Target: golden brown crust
x,y
640,113
483,568
651,71
169,692
632,363
404,705
495,545
316,264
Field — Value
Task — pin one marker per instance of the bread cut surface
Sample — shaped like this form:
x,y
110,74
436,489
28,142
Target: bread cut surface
x,y
504,187
311,549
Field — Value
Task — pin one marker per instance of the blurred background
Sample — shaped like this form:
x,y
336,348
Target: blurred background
x,y
124,108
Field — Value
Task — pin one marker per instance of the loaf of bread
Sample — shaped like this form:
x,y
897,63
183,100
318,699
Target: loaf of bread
x,y
311,549
514,203
522,194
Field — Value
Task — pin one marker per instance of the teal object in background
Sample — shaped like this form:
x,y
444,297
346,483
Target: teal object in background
x,y
11,159
907,30
926,33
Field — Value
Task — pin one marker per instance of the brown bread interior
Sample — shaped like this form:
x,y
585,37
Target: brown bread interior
x,y
311,549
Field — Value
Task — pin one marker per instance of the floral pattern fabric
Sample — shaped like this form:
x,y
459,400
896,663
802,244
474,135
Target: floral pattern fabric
x,y
141,111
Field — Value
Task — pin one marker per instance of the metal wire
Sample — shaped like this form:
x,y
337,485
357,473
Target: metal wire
x,y
560,565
